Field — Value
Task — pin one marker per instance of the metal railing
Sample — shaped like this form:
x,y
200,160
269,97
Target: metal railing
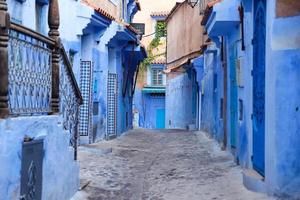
x,y
36,77
70,98
29,73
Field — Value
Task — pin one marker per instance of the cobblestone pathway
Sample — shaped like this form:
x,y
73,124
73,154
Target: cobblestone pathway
x,y
160,165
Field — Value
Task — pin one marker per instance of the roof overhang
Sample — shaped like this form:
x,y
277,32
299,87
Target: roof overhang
x,y
154,90
174,65
221,17
97,22
123,36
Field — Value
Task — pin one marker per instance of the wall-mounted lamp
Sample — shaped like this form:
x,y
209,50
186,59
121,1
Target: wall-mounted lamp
x,y
193,3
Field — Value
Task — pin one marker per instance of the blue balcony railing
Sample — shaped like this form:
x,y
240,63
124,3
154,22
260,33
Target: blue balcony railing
x,y
29,74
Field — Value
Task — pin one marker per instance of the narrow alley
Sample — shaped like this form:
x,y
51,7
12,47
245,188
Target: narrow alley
x,y
149,99
160,165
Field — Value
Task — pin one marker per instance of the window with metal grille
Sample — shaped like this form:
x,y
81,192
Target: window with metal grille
x,y
85,115
112,96
157,77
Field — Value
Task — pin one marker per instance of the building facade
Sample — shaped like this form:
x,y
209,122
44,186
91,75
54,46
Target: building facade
x,y
149,100
88,59
183,68
39,104
106,51
246,76
249,88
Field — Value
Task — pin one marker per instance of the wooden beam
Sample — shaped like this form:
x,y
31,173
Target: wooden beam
x,y
53,22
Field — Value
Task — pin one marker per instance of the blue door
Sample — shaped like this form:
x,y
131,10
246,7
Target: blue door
x,y
233,98
160,118
258,123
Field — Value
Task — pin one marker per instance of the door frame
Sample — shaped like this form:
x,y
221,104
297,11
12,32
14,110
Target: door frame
x,y
258,87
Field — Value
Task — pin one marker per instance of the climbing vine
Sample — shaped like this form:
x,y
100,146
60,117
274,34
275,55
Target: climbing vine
x,y
160,31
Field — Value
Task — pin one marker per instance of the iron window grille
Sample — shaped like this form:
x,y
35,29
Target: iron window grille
x,y
157,77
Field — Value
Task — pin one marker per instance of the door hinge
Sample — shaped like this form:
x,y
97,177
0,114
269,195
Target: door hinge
x,y
252,158
253,41
251,72
251,116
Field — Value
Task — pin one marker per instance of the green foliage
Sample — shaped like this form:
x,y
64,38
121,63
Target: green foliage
x,y
160,30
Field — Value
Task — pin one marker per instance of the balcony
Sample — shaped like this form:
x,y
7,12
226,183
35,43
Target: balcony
x,y
36,77
221,16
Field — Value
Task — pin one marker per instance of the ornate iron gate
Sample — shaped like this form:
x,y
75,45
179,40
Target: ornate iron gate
x,y
259,48
85,116
112,102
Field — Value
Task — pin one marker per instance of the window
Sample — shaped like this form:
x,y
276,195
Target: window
x,y
38,17
95,108
215,82
16,15
95,88
160,29
157,77
72,57
123,9
241,110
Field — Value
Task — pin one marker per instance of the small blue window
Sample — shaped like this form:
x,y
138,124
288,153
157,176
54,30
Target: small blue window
x,y
215,82
241,110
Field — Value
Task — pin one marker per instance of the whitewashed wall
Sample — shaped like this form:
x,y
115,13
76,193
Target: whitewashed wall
x,y
60,171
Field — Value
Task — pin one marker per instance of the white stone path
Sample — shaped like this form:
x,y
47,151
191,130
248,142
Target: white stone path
x,y
161,165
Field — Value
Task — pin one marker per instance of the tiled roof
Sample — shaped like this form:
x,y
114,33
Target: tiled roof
x,y
159,62
98,9
160,14
131,28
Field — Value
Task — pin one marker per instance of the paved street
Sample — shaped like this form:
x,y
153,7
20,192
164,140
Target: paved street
x,y
160,165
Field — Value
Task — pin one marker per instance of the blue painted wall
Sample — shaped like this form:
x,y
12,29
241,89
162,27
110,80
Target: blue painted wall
x,y
212,93
147,104
282,104
181,99
89,37
282,166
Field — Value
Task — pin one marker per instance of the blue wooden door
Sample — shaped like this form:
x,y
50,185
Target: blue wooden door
x,y
160,118
233,98
259,43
